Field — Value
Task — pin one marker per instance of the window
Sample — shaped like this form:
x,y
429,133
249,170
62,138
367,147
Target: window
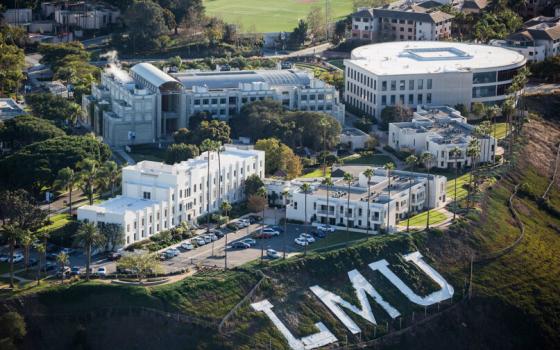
x,y
393,85
428,98
304,97
197,102
411,84
420,84
410,99
222,100
402,85
401,99
147,195
383,100
485,77
429,84
393,99
384,86
484,91
419,99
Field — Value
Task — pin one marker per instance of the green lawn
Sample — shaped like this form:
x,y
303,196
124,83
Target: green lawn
x,y
335,238
58,221
461,191
317,173
376,159
501,130
147,152
271,15
436,217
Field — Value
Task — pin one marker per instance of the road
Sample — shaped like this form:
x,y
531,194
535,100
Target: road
x,y
541,88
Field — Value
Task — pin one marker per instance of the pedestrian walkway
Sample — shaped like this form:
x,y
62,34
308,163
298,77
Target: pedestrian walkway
x,y
121,152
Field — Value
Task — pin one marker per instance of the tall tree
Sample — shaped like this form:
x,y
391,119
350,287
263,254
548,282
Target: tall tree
x,y
146,23
305,189
12,61
110,175
89,238
67,179
113,235
368,173
389,167
427,159
328,183
62,260
42,250
89,175
473,152
179,152
225,207
411,161
348,178
12,234
455,153
24,130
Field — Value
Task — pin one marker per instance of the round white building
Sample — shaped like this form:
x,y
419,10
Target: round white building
x,y
412,73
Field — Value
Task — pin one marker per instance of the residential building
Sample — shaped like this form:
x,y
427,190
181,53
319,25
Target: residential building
x,y
404,185
10,109
147,105
538,40
157,196
473,6
438,130
84,15
402,21
432,73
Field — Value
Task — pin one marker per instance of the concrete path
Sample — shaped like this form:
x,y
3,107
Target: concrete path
x,y
121,152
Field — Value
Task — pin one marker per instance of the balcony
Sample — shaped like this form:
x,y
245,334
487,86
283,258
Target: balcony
x,y
325,212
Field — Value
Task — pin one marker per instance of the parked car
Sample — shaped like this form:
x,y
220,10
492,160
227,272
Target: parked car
x,y
102,271
240,245
169,254
301,241
186,246
175,251
52,256
75,270
213,237
65,271
244,222
115,256
253,219
68,251
259,234
319,234
200,241
273,254
271,231
277,228
32,262
172,252
17,258
4,258
307,237
218,233
51,266
251,242
207,238
326,228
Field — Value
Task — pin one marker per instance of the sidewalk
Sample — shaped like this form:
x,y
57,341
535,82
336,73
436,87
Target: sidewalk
x,y
121,152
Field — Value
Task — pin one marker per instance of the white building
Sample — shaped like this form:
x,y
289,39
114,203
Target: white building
x,y
338,213
354,138
146,104
84,15
412,73
438,130
539,39
402,21
18,17
157,196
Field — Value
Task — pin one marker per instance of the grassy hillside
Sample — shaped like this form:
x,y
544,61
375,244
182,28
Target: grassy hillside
x,y
515,303
271,15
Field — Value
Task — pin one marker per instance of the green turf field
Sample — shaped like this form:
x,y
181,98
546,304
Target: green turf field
x,y
271,15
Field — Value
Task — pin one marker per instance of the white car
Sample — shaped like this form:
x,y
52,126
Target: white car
x,y
325,228
300,241
186,246
244,222
172,251
102,271
270,231
18,258
207,238
200,241
273,254
307,237
213,237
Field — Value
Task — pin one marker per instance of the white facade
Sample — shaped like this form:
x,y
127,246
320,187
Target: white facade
x,y
18,17
157,196
91,16
438,130
150,104
354,138
437,73
338,213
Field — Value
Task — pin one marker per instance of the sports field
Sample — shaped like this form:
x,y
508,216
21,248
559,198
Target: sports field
x,y
271,15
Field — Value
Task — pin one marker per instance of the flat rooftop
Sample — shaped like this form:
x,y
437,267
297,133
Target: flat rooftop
x,y
120,205
429,57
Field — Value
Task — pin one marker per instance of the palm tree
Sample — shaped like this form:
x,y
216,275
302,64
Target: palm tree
x,y
368,173
411,161
427,158
62,260
389,167
327,182
473,151
261,192
67,179
305,189
226,208
491,113
41,249
110,175
88,177
285,195
455,153
12,234
348,178
88,237
208,146
26,241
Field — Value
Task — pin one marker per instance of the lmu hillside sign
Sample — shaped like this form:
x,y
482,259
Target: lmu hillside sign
x,y
362,288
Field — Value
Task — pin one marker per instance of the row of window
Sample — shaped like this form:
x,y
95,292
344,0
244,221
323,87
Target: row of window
x,y
402,84
406,100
